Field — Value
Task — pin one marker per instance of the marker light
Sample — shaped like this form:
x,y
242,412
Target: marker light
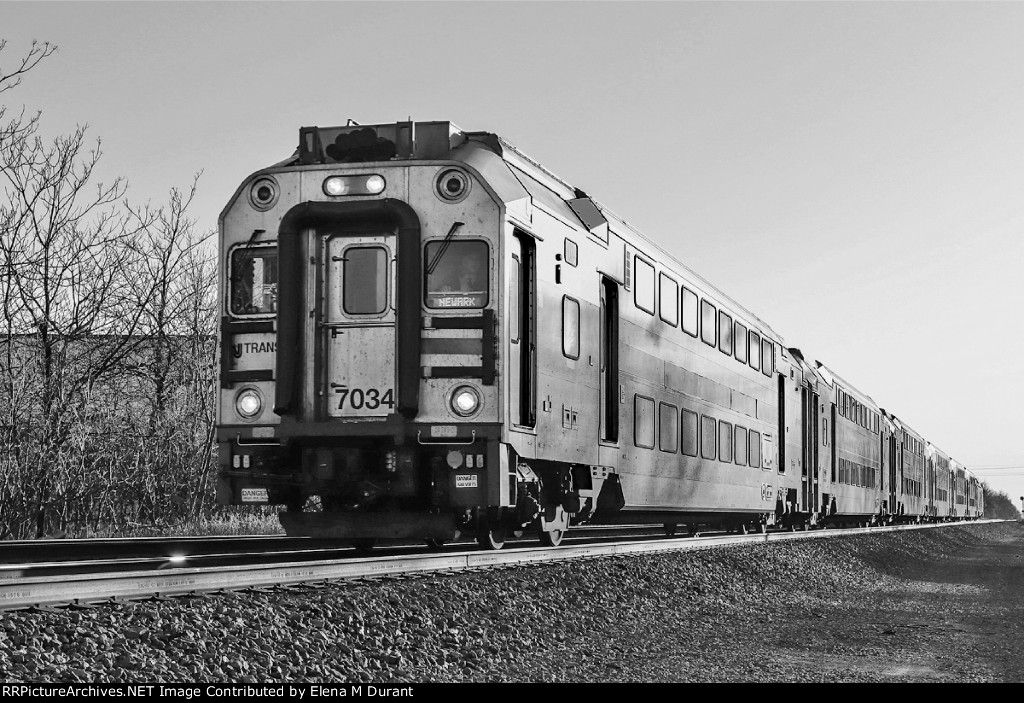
x,y
452,185
249,402
465,401
354,185
263,193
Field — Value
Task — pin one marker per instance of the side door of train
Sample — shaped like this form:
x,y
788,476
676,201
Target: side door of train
x,y
892,457
521,367
811,441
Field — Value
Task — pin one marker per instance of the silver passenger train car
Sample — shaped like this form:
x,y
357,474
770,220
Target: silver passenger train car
x,y
425,333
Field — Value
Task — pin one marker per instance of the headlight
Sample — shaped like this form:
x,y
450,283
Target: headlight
x,y
465,401
248,403
371,184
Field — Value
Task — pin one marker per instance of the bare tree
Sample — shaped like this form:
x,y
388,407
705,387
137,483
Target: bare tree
x,y
107,383
16,386
67,297
177,269
11,78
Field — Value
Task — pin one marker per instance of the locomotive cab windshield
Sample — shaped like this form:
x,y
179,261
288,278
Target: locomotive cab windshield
x,y
254,280
456,274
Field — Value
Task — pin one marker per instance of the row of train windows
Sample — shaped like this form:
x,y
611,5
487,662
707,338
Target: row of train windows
x,y
855,411
700,318
912,444
703,435
854,474
911,487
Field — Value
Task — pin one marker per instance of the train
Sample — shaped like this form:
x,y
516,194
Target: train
x,y
426,334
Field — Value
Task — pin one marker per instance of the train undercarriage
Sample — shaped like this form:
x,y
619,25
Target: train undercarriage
x,y
371,490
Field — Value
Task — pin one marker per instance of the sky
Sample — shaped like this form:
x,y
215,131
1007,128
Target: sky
x,y
852,172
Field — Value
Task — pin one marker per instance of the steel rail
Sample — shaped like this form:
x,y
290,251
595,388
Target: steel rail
x,y
53,552
41,591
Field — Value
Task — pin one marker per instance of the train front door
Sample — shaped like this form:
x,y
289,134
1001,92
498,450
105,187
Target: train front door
x,y
358,325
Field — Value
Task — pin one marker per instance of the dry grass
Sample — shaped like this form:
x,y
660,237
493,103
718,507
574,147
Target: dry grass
x,y
249,522
226,522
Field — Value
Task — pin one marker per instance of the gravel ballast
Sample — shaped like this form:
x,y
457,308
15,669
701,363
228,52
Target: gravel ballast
x,y
940,605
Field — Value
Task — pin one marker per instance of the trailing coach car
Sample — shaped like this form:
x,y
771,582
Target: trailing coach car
x,y
426,333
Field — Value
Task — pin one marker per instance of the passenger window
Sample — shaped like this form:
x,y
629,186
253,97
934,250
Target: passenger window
x,y
689,433
644,281
754,449
668,299
754,350
741,343
571,252
708,437
724,333
767,356
741,445
366,279
455,274
643,422
570,327
513,299
724,441
690,316
254,280
668,427
707,323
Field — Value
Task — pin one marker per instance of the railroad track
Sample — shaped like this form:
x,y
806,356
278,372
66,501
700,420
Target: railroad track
x,y
59,557
84,572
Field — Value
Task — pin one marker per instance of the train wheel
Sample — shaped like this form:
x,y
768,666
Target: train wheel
x,y
434,543
670,529
491,537
552,538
